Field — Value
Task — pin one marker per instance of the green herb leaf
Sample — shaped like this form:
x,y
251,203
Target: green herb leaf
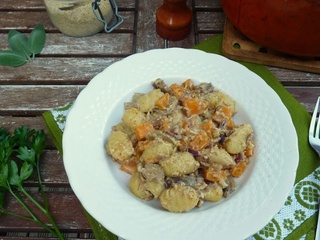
x,y
39,143
25,171
4,173
19,43
27,145
23,137
12,59
27,155
5,152
14,179
37,39
4,135
2,195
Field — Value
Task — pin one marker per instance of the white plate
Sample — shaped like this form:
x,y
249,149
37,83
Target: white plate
x,y
102,188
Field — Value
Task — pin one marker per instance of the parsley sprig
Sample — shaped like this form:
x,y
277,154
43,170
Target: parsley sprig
x,y
20,155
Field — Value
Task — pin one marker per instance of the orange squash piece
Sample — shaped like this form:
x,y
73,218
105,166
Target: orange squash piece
x,y
191,105
249,150
129,167
207,126
214,175
200,141
228,111
225,114
163,101
238,169
177,90
142,130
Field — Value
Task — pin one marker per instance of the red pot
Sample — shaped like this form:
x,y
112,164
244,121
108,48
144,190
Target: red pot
x,y
288,26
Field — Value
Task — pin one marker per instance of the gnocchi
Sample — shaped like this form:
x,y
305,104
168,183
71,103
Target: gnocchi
x,y
181,145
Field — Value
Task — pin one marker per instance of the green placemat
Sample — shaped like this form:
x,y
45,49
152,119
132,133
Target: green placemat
x,y
297,218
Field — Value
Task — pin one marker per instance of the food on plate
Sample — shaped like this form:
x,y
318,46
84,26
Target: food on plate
x,y
181,145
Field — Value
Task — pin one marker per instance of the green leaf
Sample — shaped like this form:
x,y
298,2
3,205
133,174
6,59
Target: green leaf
x,y
2,195
23,137
37,39
14,179
27,155
25,171
4,135
5,152
19,43
39,143
4,173
12,59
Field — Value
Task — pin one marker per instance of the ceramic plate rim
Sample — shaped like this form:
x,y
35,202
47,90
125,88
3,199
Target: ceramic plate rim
x,y
119,222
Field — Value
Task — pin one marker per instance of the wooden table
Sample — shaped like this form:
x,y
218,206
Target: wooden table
x,y
64,68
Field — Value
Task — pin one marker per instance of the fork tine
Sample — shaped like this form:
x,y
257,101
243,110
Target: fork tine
x,y
314,129
317,131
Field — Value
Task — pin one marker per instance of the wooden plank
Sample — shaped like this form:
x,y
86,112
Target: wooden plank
x,y
102,44
57,70
34,100
146,27
307,96
208,4
9,123
52,170
210,22
8,20
64,207
9,5
296,78
27,5
96,45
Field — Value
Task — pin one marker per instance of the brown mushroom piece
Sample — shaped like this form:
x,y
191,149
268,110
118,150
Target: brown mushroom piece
x,y
154,178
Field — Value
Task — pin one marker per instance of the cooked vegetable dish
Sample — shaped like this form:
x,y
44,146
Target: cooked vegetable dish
x,y
181,145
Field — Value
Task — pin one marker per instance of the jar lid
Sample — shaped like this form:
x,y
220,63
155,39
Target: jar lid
x,y
114,22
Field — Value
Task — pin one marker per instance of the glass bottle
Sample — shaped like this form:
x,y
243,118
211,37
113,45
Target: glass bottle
x,y
174,20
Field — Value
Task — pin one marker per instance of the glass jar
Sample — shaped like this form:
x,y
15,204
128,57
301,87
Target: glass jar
x,y
79,18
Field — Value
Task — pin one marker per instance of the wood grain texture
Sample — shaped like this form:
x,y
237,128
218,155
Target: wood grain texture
x,y
60,203
67,65
249,51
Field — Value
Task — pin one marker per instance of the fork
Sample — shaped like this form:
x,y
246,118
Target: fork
x,y
314,130
314,140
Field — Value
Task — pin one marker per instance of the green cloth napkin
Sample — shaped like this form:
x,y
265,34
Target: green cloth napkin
x,y
297,219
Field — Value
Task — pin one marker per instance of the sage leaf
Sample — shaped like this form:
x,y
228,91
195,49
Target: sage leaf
x,y
18,42
12,59
37,39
